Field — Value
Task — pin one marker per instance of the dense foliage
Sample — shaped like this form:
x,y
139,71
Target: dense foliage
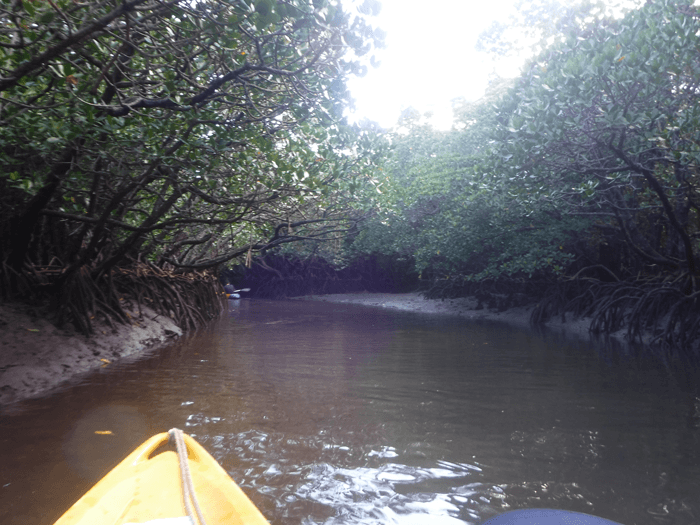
x,y
182,134
581,173
605,126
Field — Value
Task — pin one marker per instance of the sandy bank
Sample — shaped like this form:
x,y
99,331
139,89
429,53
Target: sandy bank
x,y
35,356
463,307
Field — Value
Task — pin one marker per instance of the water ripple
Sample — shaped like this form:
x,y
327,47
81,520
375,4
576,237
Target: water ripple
x,y
331,489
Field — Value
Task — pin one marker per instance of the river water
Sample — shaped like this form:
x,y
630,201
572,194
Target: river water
x,y
335,413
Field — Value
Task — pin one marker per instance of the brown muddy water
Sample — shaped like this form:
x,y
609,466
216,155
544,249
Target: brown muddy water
x,y
331,413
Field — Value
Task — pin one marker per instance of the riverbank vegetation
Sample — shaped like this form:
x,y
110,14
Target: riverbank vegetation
x,y
144,144
575,185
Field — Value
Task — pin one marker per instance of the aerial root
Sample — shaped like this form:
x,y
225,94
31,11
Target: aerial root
x,y
79,297
190,299
663,312
655,309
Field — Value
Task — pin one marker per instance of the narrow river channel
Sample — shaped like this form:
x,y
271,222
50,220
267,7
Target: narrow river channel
x,y
342,414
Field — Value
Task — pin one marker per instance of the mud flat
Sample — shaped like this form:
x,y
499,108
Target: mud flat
x,y
35,356
465,307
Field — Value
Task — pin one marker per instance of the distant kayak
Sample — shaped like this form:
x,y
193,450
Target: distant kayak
x,y
232,293
159,486
547,517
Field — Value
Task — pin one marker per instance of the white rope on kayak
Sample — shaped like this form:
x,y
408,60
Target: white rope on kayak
x,y
187,485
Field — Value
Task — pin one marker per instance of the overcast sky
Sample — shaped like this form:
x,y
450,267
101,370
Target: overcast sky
x,y
429,58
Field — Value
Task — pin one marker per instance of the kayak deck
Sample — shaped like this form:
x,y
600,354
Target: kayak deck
x,y
147,486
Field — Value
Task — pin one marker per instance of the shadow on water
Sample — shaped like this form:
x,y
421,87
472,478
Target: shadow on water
x,y
342,414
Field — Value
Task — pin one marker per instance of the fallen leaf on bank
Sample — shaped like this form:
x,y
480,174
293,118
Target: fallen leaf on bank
x,y
105,360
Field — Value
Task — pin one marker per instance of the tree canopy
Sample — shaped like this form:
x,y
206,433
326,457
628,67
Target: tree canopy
x,y
585,166
179,133
603,125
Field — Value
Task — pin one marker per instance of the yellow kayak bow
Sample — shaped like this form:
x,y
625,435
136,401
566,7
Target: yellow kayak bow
x,y
158,486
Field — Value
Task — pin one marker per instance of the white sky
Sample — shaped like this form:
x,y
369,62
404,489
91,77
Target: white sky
x,y
429,59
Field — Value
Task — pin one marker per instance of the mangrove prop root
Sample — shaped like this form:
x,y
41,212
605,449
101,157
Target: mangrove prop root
x,y
190,299
655,309
652,307
78,297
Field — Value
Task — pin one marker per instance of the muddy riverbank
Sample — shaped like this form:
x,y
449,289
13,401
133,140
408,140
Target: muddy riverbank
x,y
465,307
36,357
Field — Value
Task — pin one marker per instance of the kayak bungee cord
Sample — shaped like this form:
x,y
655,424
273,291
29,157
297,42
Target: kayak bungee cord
x,y
187,485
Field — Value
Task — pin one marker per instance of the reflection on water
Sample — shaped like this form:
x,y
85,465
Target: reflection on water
x,y
341,414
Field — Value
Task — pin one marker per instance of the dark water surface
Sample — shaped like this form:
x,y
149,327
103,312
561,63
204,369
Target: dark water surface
x,y
330,413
